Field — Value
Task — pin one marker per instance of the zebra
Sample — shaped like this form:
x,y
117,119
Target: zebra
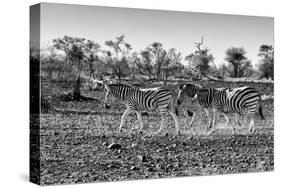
x,y
241,101
190,90
137,100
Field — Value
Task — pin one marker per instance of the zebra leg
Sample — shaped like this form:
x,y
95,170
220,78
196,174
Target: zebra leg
x,y
213,122
105,100
209,118
176,121
238,120
252,125
140,121
192,119
228,122
126,113
162,124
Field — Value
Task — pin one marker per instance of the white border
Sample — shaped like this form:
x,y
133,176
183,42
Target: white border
x,y
15,90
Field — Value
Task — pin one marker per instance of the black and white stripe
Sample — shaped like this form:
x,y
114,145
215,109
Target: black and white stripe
x,y
137,100
240,101
204,98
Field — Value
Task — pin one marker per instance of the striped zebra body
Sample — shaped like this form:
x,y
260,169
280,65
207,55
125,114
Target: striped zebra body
x,y
137,100
204,98
237,100
240,101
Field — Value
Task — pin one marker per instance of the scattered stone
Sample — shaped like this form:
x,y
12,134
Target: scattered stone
x,y
150,169
142,158
134,168
103,136
114,146
170,166
134,145
105,144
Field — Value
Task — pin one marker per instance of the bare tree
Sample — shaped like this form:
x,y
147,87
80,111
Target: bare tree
x,y
201,59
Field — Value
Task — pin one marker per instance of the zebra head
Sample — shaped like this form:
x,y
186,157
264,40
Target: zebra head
x,y
181,96
94,84
187,90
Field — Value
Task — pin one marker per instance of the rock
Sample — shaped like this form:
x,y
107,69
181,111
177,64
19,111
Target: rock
x,y
150,169
184,144
134,168
105,144
170,166
159,166
114,146
134,145
103,136
142,158
158,160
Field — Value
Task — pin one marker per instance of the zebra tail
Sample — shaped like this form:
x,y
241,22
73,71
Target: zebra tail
x,y
177,111
260,111
261,114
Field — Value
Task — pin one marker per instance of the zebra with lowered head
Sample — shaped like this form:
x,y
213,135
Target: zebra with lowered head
x,y
137,100
190,90
240,101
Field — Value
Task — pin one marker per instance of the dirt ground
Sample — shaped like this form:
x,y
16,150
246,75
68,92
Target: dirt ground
x,y
80,143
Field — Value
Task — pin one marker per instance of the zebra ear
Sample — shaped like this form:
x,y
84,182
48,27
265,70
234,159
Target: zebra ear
x,y
182,86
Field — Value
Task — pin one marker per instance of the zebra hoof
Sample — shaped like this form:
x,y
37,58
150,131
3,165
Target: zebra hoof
x,y
106,106
189,113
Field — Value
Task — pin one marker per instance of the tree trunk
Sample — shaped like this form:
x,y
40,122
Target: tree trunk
x,y
235,71
77,93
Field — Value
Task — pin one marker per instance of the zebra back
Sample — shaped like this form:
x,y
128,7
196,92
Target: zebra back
x,y
189,89
237,100
120,91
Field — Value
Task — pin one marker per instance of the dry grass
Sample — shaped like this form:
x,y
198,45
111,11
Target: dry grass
x,y
75,139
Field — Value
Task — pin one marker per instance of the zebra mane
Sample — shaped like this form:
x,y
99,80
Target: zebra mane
x,y
182,86
121,84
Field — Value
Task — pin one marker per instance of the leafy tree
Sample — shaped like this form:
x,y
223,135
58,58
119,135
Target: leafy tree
x,y
201,60
222,70
73,47
266,66
159,57
121,68
237,59
144,66
119,62
133,62
172,65
92,58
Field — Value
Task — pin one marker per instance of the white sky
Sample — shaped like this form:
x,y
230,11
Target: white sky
x,y
142,27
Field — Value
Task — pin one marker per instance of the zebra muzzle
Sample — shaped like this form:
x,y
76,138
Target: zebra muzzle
x,y
106,106
189,113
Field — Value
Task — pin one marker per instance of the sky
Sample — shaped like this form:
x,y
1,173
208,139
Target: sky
x,y
173,29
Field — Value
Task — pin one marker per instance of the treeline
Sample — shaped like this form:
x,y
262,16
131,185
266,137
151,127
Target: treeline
x,y
72,58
